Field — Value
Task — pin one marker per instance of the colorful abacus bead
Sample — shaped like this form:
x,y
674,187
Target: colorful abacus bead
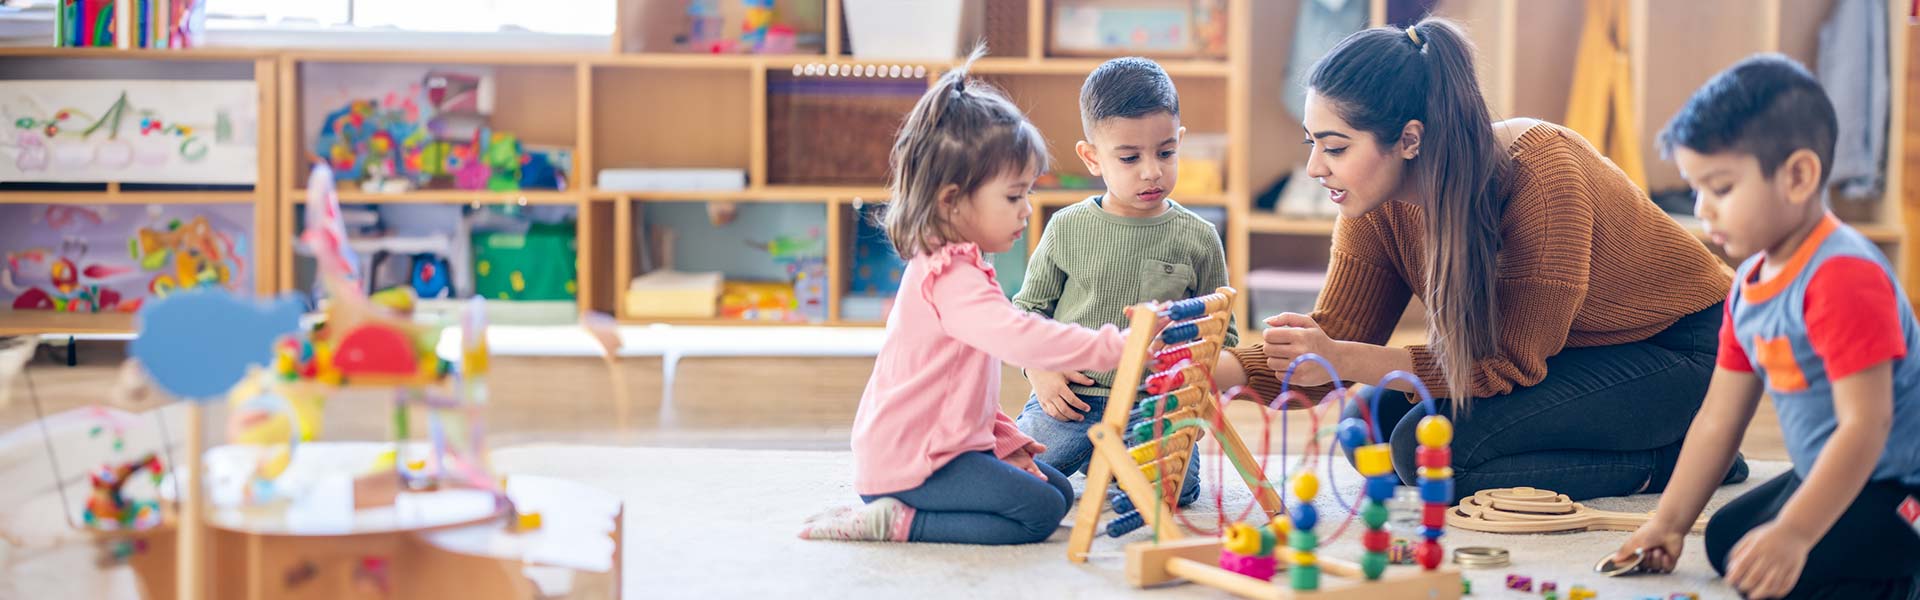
x,y
1353,432
1381,488
1241,539
1373,460
1516,582
1429,554
1125,524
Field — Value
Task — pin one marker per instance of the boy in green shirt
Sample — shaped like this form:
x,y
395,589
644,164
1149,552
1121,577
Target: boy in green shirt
x,y
1129,245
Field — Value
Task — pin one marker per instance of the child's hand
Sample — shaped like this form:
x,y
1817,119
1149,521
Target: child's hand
x,y
1767,562
1050,387
1660,547
1023,458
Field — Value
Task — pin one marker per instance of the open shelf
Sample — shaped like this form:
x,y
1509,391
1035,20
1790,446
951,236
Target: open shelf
x,y
127,197
450,197
1268,222
31,322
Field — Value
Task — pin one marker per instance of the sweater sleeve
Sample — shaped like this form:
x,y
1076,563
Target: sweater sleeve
x,y
1007,436
1362,301
1040,290
1550,255
972,309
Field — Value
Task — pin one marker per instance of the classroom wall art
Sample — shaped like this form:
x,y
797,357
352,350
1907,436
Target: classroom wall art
x,y
113,258
129,131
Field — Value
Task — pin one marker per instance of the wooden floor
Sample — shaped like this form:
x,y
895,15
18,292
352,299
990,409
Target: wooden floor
x,y
749,403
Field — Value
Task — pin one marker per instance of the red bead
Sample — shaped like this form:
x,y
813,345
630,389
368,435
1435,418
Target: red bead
x,y
1376,540
1434,456
1433,515
1428,554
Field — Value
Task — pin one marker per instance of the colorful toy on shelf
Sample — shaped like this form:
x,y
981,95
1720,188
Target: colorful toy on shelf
x,y
62,267
1309,571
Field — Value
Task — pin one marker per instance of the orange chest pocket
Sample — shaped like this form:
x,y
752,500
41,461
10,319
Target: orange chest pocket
x,y
1776,356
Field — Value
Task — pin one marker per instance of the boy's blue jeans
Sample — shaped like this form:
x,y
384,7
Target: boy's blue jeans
x,y
1069,449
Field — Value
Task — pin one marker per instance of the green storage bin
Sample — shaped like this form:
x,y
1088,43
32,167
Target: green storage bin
x,y
536,265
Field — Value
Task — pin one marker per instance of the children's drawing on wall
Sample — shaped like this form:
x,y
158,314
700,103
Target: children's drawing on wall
x,y
91,259
202,132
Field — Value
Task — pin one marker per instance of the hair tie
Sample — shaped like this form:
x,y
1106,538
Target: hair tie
x,y
1415,36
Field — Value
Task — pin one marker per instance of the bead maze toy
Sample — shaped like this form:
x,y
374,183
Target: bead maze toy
x,y
1151,472
1530,510
1227,565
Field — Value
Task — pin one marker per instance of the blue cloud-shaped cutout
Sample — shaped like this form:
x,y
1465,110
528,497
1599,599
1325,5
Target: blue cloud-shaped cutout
x,y
197,344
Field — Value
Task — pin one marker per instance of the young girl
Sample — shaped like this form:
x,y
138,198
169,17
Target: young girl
x,y
934,458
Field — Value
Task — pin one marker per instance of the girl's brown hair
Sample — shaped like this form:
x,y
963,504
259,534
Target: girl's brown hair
x,y
1382,78
961,133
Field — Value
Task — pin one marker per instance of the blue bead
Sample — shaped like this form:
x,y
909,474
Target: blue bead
x,y
1432,533
1186,309
1436,490
1353,432
1381,487
1125,524
1179,333
1304,516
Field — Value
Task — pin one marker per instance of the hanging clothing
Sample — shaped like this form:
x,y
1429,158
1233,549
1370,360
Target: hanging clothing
x,y
1853,69
1600,106
1322,24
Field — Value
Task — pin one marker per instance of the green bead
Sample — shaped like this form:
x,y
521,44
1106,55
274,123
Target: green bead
x,y
1303,540
1304,578
1267,541
1373,564
1374,514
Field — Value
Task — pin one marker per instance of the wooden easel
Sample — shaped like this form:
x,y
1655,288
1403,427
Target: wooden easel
x,y
1151,473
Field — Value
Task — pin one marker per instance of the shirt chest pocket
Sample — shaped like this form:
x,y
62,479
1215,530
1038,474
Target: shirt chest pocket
x,y
1161,280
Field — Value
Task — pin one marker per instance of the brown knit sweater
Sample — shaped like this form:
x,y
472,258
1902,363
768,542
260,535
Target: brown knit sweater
x,y
1586,260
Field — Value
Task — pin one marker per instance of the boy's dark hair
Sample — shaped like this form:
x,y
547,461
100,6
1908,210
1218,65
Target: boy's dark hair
x,y
1766,105
1126,88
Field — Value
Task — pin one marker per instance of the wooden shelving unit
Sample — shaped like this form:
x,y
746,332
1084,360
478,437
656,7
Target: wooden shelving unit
x,y
658,109
263,70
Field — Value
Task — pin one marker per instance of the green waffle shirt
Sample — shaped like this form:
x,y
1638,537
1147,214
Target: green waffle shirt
x,y
1091,265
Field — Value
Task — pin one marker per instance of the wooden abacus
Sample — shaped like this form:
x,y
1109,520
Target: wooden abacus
x,y
1152,471
1245,563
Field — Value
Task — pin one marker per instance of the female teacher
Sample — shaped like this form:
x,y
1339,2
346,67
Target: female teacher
x,y
1572,324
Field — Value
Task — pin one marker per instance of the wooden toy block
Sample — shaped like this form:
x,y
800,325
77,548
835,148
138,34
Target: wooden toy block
x,y
1373,460
1151,564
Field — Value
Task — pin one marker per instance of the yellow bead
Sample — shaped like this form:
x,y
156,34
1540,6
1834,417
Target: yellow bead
x,y
1242,539
1435,431
1436,473
1306,486
1281,527
1304,559
1374,460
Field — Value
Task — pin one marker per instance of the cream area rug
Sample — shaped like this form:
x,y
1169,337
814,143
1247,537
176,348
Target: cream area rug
x,y
714,523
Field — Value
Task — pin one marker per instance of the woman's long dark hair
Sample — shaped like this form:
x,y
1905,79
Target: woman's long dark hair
x,y
1379,80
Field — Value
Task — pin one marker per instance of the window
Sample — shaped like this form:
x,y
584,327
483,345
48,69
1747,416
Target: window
x,y
592,17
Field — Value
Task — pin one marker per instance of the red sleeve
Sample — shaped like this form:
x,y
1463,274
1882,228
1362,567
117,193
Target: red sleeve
x,y
1732,356
1853,316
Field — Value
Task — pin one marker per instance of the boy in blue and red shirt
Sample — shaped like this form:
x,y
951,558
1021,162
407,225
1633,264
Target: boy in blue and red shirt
x,y
1817,321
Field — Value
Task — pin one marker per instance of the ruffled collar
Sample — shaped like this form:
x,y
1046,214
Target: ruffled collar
x,y
939,260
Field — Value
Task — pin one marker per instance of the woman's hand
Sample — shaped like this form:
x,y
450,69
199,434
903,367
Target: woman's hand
x,y
1292,335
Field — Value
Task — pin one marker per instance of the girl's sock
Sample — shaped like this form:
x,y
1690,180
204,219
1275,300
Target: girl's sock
x,y
884,520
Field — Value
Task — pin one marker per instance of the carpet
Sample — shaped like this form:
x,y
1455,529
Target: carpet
x,y
718,523
704,523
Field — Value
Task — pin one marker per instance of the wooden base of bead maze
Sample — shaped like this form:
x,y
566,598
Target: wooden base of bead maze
x,y
1196,561
1530,510
1113,463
